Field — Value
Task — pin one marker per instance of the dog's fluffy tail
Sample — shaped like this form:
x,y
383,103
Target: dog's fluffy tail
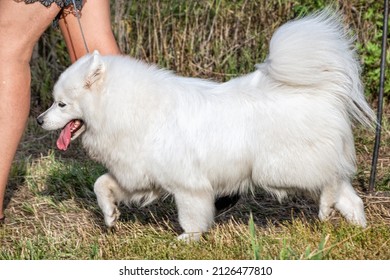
x,y
317,52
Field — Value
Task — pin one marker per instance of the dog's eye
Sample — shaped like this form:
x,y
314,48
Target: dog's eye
x,y
61,104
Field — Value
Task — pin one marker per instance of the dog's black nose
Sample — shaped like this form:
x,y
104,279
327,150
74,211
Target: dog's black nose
x,y
40,121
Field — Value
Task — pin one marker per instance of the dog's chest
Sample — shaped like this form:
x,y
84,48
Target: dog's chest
x,y
95,147
119,157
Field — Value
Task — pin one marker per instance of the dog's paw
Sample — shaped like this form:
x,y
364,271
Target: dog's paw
x,y
110,219
358,219
325,214
190,237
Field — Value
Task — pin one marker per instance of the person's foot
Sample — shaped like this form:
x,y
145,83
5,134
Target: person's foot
x,y
224,203
2,219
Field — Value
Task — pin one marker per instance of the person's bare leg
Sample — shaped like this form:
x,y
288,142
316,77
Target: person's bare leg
x,y
21,26
96,24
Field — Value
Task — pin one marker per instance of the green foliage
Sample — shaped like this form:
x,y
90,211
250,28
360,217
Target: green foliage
x,y
371,50
303,7
316,255
288,253
255,244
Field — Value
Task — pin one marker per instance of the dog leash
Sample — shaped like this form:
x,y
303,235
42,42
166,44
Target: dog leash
x,y
77,13
380,98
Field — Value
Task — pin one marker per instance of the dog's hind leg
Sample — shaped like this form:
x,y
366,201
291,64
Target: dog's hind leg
x,y
108,194
350,204
342,197
196,213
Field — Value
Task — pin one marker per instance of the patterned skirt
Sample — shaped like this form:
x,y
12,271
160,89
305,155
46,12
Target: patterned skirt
x,y
60,3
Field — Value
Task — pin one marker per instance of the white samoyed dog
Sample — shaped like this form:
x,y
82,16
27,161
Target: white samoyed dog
x,y
283,127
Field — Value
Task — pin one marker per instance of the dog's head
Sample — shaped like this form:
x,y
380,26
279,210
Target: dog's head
x,y
72,93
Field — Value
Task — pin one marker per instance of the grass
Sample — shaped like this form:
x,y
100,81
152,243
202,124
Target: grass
x,y
52,211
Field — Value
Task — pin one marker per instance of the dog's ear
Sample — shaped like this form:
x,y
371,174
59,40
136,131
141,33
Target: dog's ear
x,y
95,70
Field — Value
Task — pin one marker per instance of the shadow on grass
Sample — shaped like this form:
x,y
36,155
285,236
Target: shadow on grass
x,y
264,208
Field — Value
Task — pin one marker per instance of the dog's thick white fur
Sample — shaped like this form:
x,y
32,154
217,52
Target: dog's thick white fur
x,y
286,126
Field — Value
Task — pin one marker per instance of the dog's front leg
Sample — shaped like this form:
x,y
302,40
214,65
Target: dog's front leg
x,y
108,194
196,212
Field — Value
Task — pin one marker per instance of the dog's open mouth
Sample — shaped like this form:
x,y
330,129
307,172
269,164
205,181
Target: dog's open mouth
x,y
71,131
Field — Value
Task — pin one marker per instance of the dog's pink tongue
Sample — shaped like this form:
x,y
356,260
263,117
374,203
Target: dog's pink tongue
x,y
64,140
